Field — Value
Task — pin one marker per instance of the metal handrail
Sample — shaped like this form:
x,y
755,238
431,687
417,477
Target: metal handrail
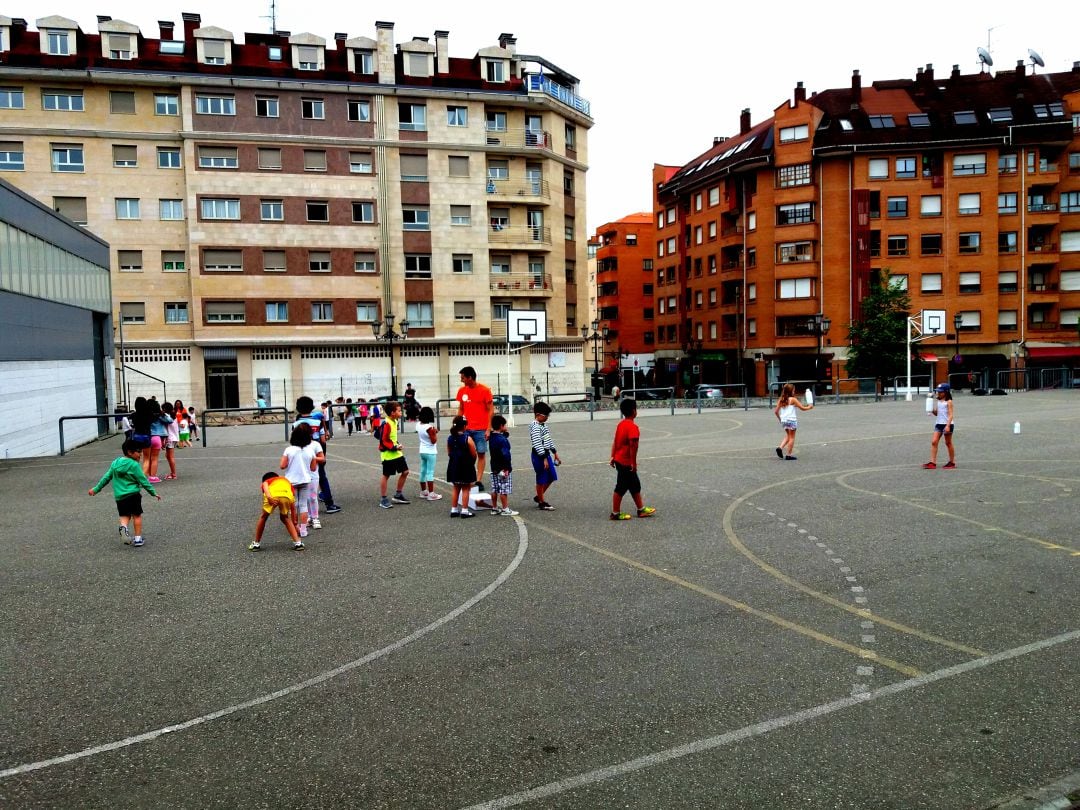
x,y
746,394
88,416
283,411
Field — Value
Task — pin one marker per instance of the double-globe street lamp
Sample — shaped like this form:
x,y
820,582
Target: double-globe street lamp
x,y
390,336
820,324
597,335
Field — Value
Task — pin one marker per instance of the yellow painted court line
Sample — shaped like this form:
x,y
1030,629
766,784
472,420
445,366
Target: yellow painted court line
x,y
780,575
859,652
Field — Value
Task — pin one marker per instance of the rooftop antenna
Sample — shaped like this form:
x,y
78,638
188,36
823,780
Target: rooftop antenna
x,y
272,16
985,60
1035,59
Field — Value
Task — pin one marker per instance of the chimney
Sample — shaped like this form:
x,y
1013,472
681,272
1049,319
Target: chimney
x,y
191,23
102,18
744,121
1076,67
340,38
384,61
929,73
800,93
442,52
165,27
508,42
955,72
856,86
1021,68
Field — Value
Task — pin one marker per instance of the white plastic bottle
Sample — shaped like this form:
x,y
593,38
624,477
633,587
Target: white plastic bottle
x,y
929,403
1016,428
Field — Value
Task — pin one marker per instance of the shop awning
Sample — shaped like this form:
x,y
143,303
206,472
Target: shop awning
x,y
1053,352
927,357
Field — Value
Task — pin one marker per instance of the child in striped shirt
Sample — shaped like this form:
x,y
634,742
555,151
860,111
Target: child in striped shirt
x,y
545,458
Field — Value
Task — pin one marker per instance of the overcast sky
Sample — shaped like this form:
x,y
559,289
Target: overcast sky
x,y
661,87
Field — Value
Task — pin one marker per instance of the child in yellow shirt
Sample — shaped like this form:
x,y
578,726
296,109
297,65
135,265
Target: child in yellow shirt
x,y
277,495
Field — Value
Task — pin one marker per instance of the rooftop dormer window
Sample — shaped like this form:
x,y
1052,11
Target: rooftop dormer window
x,y
965,117
365,62
59,42
882,122
273,53
918,120
119,46
496,70
214,51
307,58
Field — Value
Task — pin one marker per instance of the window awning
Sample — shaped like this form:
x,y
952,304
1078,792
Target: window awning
x,y
927,357
1053,352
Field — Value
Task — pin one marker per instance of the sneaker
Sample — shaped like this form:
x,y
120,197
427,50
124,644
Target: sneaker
x,y
929,466
547,507
779,453
496,510
138,541
509,512
385,503
455,513
298,545
255,546
466,513
950,466
400,498
434,496
646,511
170,477
790,458
619,516
316,523
153,479
333,509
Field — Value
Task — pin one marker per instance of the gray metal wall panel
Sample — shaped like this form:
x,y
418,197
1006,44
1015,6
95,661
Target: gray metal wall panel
x,y
34,217
34,329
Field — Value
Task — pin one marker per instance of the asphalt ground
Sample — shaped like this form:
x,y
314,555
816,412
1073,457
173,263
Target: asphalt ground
x,y
843,631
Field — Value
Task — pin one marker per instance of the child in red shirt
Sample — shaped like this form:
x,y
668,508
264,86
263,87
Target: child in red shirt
x,y
624,459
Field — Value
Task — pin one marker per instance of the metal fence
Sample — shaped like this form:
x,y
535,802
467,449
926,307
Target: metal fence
x,y
102,416
259,411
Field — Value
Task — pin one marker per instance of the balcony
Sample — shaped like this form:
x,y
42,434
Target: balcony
x,y
1042,326
521,284
539,83
523,237
519,138
518,190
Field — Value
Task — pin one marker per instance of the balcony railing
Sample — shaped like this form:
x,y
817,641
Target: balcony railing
x,y
1042,326
1045,247
519,138
539,83
519,234
1043,286
519,188
1042,208
520,282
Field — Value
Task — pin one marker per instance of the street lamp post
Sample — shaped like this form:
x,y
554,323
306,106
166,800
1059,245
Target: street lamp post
x,y
597,335
821,326
389,335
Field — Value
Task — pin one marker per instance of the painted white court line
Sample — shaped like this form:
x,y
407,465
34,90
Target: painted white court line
x,y
759,729
523,546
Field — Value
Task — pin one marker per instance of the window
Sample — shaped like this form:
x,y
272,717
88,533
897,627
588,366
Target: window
x,y
412,117
875,244
272,210
500,264
125,156
219,208
898,245
176,312
269,157
898,281
896,207
571,136
363,211
795,288
930,205
969,204
464,311
970,320
134,312
314,160
307,57
173,261
170,209
1007,163
568,228
797,175
274,53
223,261
1008,282
360,162
319,261
224,311
1007,202
266,106
931,282
63,100
414,168
498,169
969,242
365,62
58,43
461,215
218,157
496,70
568,182
796,133
714,196
918,120
215,105
1074,157
970,282
1070,202
121,102
462,263
417,265
277,311
420,314
457,116
699,298
359,109
417,64
670,215
698,200
881,121
11,156
129,261
322,311
931,244
969,164
751,292
905,168
127,207
273,261
166,104
699,235
795,213
712,265
671,246
1007,242
712,231
214,51
168,157
458,166
965,117
1000,115
794,252
12,98
1007,320
878,169
416,218
317,211
367,312
1070,282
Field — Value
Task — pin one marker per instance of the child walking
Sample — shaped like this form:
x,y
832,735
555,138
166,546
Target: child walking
x,y
545,458
502,480
172,439
128,481
943,426
788,417
624,450
300,462
393,457
277,495
460,467
429,451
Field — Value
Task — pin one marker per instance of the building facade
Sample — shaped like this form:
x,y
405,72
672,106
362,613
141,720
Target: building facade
x,y
964,190
267,201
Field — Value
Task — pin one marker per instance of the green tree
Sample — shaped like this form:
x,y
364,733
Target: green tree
x,y
878,339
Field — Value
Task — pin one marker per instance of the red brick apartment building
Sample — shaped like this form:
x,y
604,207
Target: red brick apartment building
x,y
966,188
624,295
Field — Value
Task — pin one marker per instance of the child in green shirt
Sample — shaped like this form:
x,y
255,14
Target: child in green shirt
x,y
128,479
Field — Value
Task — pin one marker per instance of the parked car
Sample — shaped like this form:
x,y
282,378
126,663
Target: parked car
x,y
650,393
705,391
519,402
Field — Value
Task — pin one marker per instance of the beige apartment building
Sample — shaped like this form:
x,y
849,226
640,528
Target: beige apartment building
x,y
267,201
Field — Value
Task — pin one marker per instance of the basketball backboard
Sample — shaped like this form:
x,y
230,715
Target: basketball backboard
x,y
933,322
526,326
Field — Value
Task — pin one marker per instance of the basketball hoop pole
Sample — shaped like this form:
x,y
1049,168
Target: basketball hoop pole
x,y
509,374
916,324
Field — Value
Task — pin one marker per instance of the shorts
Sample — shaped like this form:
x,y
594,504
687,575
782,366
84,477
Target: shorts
x,y
155,442
283,505
479,439
185,437
544,477
170,444
141,439
941,429
427,467
130,505
502,484
394,466
626,480
790,424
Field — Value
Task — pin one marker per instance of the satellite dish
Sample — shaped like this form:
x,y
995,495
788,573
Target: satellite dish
x,y
985,58
1035,58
